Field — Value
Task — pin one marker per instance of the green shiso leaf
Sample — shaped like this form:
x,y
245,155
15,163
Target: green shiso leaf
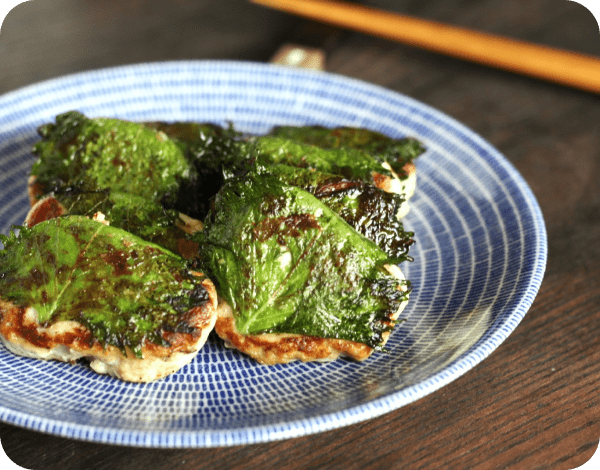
x,y
381,148
215,153
366,208
288,264
347,162
103,153
141,217
123,289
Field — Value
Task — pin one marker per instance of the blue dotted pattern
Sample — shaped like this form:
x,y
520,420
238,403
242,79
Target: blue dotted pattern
x,y
479,260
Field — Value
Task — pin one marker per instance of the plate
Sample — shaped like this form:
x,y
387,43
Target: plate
x,y
479,258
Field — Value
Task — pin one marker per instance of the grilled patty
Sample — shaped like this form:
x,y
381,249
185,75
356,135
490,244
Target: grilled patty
x,y
280,348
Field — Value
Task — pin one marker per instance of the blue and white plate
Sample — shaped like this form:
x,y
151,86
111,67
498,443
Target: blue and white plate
x,y
478,263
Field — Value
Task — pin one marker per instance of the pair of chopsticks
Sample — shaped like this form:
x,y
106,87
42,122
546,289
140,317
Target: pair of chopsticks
x,y
555,65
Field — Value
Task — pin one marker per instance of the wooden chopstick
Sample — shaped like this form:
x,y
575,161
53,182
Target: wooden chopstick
x,y
556,65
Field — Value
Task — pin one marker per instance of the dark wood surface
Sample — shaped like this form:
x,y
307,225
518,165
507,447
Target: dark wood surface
x,y
535,402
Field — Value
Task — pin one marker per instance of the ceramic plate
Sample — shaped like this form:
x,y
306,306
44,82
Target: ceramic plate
x,y
479,258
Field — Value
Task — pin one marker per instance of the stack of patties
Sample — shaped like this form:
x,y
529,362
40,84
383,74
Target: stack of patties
x,y
300,230
304,247
98,273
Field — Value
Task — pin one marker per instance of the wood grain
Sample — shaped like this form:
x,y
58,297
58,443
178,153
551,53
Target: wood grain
x,y
560,66
534,403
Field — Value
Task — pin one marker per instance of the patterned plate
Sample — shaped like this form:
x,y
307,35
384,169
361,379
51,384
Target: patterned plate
x,y
478,263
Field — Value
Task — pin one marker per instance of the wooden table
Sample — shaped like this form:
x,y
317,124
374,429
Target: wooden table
x,y
535,402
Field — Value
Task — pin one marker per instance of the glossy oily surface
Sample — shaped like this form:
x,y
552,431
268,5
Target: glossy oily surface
x,y
286,263
369,210
375,145
104,153
479,257
124,290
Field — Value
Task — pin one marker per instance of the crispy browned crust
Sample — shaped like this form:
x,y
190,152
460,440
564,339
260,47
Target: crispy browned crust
x,y
34,190
44,209
281,348
49,207
69,341
388,183
273,348
394,184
